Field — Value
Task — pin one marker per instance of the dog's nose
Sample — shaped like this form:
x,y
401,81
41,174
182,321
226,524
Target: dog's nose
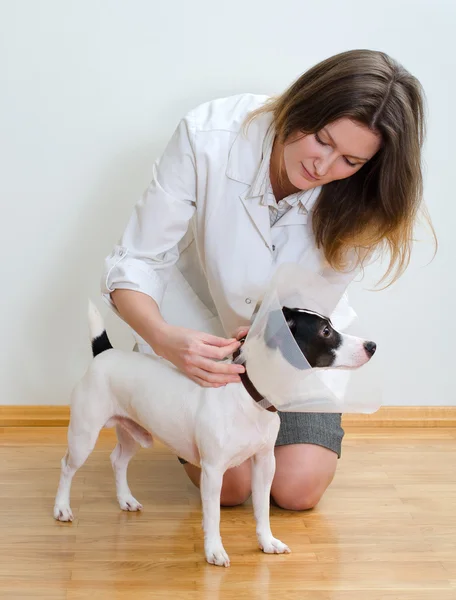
x,y
370,348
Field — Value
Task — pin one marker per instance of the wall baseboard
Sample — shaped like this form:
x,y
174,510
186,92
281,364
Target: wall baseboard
x,y
387,416
34,416
404,416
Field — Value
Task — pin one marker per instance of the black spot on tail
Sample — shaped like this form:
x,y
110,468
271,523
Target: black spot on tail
x,y
101,343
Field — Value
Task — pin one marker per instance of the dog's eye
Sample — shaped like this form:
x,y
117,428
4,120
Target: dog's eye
x,y
326,332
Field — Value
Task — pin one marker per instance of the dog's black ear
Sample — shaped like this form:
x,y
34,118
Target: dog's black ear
x,y
276,335
289,317
275,326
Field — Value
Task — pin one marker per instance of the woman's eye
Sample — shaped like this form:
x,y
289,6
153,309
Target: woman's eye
x,y
320,141
350,163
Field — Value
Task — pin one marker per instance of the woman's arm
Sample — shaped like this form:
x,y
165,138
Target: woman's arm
x,y
193,352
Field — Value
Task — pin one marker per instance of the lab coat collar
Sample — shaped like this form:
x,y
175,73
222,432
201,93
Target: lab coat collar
x,y
246,154
249,159
248,163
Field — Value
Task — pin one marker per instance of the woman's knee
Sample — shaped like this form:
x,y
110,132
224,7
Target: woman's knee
x,y
235,494
236,486
303,474
304,495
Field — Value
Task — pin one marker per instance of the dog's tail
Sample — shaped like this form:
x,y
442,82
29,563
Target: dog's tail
x,y
98,336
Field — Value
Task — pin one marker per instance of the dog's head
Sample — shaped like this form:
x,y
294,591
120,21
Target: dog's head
x,y
322,345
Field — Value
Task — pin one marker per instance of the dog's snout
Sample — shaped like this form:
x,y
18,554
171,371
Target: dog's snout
x,y
370,348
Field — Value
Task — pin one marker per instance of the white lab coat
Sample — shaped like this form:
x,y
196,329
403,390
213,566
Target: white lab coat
x,y
199,240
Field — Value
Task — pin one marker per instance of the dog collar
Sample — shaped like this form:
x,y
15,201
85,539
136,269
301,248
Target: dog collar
x,y
251,389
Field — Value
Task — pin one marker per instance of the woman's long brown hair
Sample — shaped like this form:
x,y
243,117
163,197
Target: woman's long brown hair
x,y
376,208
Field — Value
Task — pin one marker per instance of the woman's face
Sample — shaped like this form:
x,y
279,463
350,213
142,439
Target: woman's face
x,y
337,151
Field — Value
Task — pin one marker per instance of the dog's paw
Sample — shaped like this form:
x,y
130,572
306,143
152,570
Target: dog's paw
x,y
273,546
129,503
62,512
216,555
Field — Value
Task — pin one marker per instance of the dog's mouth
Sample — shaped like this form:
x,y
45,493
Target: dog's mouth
x,y
354,354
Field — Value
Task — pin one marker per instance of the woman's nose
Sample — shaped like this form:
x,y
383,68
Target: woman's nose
x,y
322,164
321,167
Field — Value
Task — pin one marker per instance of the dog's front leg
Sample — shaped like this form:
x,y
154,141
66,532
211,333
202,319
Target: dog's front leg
x,y
263,473
211,488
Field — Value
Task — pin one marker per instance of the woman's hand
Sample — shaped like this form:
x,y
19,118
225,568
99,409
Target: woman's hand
x,y
241,332
196,354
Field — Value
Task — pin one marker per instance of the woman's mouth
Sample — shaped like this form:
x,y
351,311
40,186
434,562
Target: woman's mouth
x,y
307,175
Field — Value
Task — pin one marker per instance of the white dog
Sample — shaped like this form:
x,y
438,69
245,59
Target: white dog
x,y
214,428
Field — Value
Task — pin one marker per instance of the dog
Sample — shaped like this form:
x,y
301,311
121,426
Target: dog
x,y
146,397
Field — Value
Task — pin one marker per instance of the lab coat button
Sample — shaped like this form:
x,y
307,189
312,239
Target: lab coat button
x,y
248,301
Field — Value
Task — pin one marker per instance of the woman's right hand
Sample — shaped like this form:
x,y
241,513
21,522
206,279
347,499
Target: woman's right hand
x,y
196,353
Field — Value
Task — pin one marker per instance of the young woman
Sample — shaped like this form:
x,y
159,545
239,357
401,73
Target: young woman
x,y
328,174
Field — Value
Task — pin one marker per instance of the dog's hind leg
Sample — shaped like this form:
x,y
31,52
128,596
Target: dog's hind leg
x,y
81,442
120,457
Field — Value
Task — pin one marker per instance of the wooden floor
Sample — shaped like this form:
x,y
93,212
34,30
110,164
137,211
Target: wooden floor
x,y
385,530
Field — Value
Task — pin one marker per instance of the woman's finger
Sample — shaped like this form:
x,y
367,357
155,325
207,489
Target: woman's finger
x,y
214,340
214,378
241,332
204,383
218,368
218,353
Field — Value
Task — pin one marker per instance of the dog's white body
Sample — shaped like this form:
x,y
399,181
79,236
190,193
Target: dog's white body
x,y
215,428
222,426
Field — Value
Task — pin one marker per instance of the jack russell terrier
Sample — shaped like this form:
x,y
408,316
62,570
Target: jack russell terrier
x,y
146,397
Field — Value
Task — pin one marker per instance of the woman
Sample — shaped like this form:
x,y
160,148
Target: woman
x,y
327,174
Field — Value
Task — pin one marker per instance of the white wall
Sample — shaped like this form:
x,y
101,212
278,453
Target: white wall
x,y
90,93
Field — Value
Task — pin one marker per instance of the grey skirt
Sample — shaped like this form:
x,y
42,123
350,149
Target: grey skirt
x,y
321,429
